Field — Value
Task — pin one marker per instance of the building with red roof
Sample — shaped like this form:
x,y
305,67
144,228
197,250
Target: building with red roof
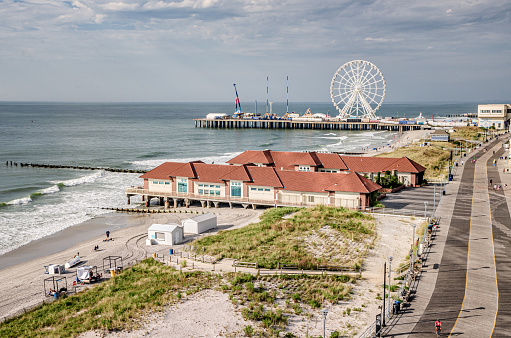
x,y
409,172
254,184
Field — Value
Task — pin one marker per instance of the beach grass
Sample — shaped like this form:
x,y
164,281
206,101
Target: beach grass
x,y
115,304
433,158
288,240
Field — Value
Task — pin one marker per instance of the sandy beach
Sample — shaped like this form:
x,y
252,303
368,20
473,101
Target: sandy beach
x,y
404,139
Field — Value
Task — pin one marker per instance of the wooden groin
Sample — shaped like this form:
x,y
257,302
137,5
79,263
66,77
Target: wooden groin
x,y
154,211
58,166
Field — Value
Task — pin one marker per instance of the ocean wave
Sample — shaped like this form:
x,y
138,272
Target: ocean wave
x,y
20,201
153,154
80,180
217,159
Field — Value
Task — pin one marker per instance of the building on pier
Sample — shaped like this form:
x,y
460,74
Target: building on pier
x,y
409,172
251,185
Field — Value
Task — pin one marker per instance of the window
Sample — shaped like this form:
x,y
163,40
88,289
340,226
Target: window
x,y
201,191
160,236
253,189
166,183
266,189
217,192
155,182
200,185
182,185
236,189
304,168
218,187
310,199
259,189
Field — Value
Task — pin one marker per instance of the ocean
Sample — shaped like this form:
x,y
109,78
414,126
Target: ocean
x,y
37,202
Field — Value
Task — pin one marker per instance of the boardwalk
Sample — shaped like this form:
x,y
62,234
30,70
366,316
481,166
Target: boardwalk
x,y
463,282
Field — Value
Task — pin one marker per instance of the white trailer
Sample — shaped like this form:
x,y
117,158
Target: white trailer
x,y
199,224
168,234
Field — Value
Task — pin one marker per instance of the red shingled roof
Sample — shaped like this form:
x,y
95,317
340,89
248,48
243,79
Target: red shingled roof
x,y
367,164
288,160
252,156
174,169
323,182
264,176
380,164
404,164
355,183
331,161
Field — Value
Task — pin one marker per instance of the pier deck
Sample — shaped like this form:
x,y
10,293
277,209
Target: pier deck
x,y
293,124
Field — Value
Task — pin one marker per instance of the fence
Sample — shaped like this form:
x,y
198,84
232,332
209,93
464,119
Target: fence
x,y
404,291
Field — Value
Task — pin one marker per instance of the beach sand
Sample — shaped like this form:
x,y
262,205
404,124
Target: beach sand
x,y
402,140
21,285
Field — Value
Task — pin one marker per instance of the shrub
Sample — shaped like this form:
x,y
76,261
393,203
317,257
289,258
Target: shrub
x,y
249,330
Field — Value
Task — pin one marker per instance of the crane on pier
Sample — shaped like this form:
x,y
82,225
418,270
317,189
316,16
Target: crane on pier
x,y
237,104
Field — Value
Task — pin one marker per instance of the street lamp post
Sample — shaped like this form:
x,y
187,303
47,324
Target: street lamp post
x,y
413,248
425,218
434,200
324,312
390,271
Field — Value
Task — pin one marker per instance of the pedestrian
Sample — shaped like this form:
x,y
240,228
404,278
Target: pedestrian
x,y
495,187
107,234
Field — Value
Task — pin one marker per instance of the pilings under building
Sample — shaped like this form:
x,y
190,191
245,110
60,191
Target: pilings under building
x,y
290,124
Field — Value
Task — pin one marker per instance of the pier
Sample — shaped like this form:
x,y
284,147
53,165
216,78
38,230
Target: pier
x,y
231,123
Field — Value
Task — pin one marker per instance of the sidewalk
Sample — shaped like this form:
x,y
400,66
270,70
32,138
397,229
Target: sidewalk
x,y
406,322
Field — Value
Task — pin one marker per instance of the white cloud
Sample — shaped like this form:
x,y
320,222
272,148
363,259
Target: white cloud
x,y
120,6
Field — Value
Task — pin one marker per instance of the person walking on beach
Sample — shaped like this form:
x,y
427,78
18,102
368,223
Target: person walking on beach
x,y
107,234
438,327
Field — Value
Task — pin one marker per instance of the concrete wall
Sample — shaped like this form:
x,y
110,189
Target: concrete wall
x,y
160,185
261,193
205,186
347,199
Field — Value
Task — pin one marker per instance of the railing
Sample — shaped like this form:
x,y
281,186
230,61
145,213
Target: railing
x,y
282,200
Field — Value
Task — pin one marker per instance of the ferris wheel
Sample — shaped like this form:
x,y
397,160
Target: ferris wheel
x,y
357,89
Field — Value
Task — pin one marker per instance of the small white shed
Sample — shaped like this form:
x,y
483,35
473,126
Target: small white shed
x,y
168,234
199,223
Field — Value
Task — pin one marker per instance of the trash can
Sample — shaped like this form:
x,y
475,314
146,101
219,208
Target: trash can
x,y
171,251
450,177
154,254
456,163
443,192
396,307
55,295
112,273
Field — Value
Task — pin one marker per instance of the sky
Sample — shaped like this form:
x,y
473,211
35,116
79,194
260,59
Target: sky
x,y
190,51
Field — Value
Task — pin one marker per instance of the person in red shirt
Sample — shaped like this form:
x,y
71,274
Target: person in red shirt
x,y
438,327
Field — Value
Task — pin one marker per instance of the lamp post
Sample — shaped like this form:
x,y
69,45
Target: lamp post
x,y
413,248
434,200
425,218
324,312
390,271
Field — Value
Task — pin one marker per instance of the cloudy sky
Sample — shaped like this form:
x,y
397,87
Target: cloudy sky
x,y
194,50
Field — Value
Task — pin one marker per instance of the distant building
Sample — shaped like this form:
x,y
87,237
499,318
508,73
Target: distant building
x,y
440,135
494,115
